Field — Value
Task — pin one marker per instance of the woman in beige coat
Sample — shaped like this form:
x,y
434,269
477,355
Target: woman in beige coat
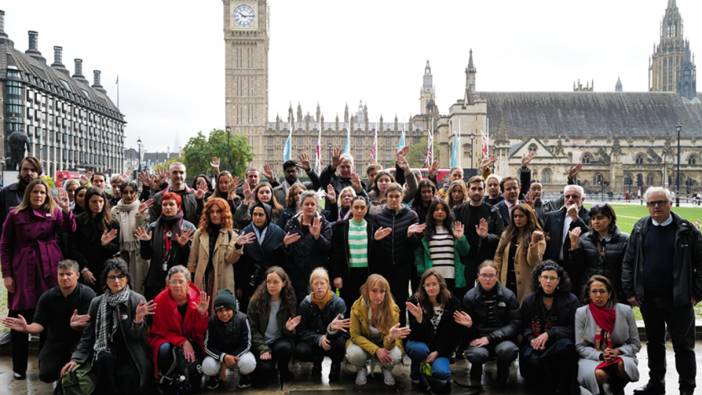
x,y
520,249
215,248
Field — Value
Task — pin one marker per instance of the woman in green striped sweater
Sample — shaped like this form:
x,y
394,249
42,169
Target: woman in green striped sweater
x,y
351,245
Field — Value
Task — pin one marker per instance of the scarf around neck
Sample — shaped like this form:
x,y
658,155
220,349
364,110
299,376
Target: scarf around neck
x,y
101,321
126,216
605,317
322,303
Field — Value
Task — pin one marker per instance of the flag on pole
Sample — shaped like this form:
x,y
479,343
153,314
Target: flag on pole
x,y
347,147
287,148
374,148
401,144
430,150
318,151
485,144
454,151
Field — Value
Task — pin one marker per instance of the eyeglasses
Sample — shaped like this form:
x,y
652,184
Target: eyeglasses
x,y
549,278
657,203
572,196
116,277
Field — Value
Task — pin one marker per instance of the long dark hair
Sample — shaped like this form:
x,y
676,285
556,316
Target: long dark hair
x,y
217,192
564,284
106,214
261,299
431,222
606,210
424,183
531,226
421,294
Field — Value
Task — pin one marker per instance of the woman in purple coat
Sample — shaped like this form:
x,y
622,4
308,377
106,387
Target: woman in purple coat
x,y
29,252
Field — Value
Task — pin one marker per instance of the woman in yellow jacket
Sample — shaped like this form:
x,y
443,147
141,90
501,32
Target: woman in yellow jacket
x,y
520,249
375,330
215,248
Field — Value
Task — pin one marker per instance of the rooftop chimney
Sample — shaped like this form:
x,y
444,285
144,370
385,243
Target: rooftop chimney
x,y
96,81
78,73
58,62
2,24
33,50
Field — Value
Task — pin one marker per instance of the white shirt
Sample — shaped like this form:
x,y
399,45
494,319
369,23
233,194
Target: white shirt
x,y
664,223
566,229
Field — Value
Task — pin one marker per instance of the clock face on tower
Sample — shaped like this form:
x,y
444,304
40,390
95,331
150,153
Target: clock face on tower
x,y
244,16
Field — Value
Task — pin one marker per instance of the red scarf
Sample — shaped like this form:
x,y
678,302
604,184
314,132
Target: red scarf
x,y
604,317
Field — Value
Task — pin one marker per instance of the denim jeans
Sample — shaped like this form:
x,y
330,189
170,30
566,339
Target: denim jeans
x,y
418,351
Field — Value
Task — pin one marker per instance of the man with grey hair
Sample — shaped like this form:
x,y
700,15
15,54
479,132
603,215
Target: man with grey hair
x,y
192,200
560,225
662,273
60,316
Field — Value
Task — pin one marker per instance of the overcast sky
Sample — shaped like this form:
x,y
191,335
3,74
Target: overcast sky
x,y
169,54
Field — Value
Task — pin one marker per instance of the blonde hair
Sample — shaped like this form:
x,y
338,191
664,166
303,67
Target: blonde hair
x,y
383,320
319,272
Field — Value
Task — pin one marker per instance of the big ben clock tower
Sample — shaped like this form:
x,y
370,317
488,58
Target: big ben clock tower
x,y
246,71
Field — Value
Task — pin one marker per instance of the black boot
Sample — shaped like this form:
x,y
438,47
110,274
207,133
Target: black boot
x,y
476,375
317,370
335,372
652,388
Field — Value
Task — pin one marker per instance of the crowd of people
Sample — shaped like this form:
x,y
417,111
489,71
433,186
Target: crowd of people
x,y
158,285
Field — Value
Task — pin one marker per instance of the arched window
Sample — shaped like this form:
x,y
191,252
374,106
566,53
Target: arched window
x,y
692,160
627,180
639,180
587,158
533,148
546,176
639,159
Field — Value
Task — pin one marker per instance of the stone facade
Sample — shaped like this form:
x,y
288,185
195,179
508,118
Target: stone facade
x,y
70,123
627,140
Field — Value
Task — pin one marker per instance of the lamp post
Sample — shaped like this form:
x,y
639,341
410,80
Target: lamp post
x,y
678,128
139,145
229,147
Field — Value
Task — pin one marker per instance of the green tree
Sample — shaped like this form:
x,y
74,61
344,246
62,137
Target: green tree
x,y
166,164
233,151
418,152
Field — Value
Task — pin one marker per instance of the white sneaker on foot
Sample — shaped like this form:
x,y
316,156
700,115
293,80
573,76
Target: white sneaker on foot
x,y
388,378
361,377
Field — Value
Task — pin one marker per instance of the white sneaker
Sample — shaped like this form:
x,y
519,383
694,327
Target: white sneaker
x,y
361,377
388,379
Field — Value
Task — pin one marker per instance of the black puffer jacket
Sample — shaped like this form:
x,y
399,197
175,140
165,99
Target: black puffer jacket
x,y
448,333
506,312
314,321
307,253
686,262
396,249
232,338
608,262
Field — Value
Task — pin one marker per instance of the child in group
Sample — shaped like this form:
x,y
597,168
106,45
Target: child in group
x,y
228,343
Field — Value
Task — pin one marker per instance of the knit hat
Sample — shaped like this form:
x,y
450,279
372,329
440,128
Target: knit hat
x,y
225,298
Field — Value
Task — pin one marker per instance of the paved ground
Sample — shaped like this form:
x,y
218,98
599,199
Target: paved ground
x,y
303,385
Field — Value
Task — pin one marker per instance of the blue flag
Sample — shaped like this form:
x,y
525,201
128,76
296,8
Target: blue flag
x,y
347,146
454,152
287,148
401,144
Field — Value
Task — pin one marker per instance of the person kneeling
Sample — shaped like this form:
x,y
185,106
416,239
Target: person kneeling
x,y
375,330
606,339
273,323
435,330
178,332
228,343
494,319
322,329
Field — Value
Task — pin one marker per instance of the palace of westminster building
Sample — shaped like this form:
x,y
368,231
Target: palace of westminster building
x,y
626,140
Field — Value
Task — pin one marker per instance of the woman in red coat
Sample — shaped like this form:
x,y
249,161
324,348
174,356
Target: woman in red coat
x,y
178,331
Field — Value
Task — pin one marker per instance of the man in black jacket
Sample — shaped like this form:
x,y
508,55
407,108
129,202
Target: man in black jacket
x,y
494,312
559,224
191,199
662,273
483,227
393,255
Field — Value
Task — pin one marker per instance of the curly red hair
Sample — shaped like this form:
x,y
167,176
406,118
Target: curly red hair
x,y
168,195
227,221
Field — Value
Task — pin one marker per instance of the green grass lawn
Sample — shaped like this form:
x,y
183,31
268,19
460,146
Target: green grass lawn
x,y
629,214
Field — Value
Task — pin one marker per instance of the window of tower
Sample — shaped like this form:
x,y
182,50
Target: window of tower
x,y
587,158
639,159
546,175
692,160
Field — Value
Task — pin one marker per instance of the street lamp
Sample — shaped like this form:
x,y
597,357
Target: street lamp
x,y
329,146
229,147
678,128
139,145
